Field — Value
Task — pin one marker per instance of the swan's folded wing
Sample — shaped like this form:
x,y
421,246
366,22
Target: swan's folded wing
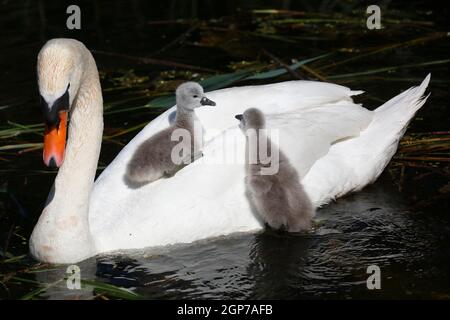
x,y
272,99
307,135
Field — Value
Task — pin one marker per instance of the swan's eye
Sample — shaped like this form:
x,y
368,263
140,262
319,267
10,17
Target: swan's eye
x,y
195,96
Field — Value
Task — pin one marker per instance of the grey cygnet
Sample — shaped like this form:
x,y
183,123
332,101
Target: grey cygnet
x,y
278,198
153,158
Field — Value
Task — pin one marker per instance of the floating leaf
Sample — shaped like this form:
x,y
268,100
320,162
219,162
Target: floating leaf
x,y
35,293
109,289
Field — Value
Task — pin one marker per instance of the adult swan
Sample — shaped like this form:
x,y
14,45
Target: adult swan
x,y
337,147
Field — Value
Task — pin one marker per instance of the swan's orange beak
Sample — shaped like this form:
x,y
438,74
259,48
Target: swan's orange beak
x,y
55,141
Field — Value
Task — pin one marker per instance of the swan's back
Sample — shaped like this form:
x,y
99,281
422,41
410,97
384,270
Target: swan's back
x,y
207,198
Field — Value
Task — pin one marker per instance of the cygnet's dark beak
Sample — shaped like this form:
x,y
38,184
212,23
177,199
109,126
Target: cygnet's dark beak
x,y
206,102
239,117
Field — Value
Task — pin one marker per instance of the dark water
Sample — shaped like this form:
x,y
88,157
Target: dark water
x,y
401,223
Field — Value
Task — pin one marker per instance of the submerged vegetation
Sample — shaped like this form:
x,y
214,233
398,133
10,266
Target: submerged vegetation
x,y
249,47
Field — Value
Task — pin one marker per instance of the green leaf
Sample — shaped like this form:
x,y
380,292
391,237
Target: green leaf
x,y
109,289
162,102
35,293
21,146
209,84
385,69
281,71
99,287
15,259
223,80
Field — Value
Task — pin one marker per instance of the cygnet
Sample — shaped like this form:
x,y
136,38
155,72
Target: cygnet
x,y
278,197
169,150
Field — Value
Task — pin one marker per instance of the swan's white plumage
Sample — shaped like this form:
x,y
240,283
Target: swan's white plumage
x,y
337,146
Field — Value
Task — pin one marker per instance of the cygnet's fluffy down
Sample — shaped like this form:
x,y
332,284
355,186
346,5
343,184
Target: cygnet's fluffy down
x,y
277,197
153,158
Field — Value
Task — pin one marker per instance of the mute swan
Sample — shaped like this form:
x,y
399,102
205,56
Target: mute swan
x,y
155,157
272,183
336,146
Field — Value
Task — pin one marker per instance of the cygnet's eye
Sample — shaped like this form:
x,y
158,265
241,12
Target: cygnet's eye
x,y
195,96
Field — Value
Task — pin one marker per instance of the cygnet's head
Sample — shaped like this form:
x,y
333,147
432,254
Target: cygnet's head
x,y
251,119
190,95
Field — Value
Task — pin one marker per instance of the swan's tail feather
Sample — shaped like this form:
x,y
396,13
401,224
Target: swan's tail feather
x,y
413,97
356,92
352,164
395,115
389,124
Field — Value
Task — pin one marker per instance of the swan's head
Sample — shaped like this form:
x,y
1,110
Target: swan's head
x,y
60,67
190,95
251,119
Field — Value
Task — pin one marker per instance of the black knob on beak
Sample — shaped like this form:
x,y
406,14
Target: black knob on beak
x,y
206,102
239,117
51,113
51,116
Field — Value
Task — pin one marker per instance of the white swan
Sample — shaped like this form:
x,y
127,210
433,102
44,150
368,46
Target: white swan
x,y
336,145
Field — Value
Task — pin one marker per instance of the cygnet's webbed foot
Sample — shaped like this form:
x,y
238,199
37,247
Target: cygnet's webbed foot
x,y
185,162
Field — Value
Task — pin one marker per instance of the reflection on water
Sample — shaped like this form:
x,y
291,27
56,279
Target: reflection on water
x,y
371,227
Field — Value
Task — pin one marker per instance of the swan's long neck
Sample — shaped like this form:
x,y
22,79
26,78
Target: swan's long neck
x,y
77,173
62,234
